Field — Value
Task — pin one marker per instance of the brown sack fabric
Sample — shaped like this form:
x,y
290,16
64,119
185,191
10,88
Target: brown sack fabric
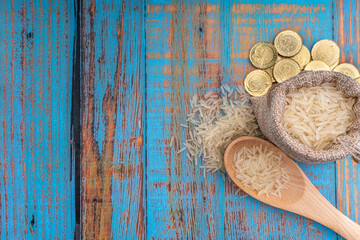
x,y
268,110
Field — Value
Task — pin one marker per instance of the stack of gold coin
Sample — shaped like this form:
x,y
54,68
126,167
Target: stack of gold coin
x,y
327,52
263,55
275,63
287,57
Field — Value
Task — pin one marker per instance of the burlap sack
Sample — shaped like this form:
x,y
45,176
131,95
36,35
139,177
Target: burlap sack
x,y
268,110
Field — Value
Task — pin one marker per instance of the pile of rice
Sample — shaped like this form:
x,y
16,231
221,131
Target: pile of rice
x,y
261,170
317,116
216,120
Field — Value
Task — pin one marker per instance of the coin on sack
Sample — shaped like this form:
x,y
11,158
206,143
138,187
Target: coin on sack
x,y
263,55
303,57
327,51
288,43
348,69
285,69
257,83
317,65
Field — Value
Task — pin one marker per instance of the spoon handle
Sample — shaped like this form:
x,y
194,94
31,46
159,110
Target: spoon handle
x,y
316,207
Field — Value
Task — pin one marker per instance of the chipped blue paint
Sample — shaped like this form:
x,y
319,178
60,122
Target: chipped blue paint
x,y
191,47
347,28
36,181
172,28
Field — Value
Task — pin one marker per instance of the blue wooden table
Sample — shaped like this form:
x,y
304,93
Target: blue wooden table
x,y
115,77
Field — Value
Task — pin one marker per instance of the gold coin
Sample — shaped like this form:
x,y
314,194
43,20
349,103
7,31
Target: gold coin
x,y
327,51
303,57
348,70
333,66
270,70
288,43
317,65
358,79
278,58
285,69
263,55
257,83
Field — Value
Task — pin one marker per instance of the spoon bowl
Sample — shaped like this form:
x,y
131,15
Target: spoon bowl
x,y
300,196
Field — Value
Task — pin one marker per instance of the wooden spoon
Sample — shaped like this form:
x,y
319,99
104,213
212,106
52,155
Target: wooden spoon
x,y
300,197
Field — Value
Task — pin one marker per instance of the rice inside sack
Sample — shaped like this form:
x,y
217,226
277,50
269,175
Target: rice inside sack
x,y
269,113
316,116
261,170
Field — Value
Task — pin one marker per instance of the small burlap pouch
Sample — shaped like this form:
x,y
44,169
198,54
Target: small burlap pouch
x,y
268,110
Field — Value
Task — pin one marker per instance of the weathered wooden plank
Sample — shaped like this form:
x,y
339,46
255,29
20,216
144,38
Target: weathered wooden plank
x,y
252,22
183,58
192,47
113,91
36,178
347,35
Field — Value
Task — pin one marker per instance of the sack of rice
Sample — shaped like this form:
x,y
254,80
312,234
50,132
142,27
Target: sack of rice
x,y
313,117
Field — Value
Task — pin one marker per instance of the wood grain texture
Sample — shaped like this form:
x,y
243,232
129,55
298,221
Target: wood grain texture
x,y
193,47
347,35
113,88
261,22
36,175
182,59
135,93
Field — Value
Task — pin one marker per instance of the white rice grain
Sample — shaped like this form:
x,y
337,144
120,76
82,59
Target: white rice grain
x,y
214,121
